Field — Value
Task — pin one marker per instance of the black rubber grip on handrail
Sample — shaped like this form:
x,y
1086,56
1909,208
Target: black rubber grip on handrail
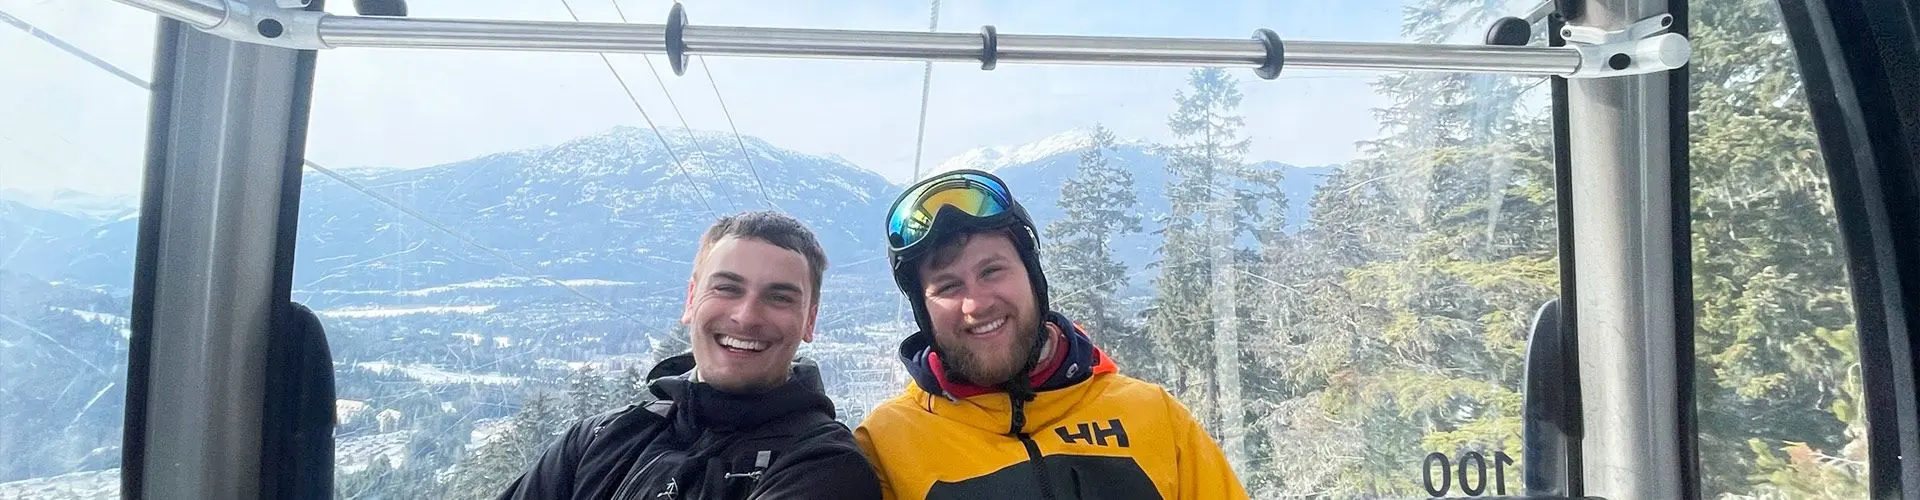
x,y
676,39
989,47
1276,53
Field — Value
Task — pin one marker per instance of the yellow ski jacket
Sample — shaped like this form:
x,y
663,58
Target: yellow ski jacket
x,y
1090,432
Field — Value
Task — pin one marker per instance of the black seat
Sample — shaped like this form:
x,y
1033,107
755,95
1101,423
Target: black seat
x,y
297,454
1551,415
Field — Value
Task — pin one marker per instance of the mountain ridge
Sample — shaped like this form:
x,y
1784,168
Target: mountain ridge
x,y
620,206
91,206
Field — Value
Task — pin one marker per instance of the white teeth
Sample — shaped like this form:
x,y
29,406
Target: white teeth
x,y
743,344
995,325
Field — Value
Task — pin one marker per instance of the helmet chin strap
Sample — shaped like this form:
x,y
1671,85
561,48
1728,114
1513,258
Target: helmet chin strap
x,y
1020,388
1020,385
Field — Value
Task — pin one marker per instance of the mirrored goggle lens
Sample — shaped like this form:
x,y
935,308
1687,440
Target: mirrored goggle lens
x,y
971,194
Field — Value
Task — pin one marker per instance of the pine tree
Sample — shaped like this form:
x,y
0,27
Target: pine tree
x,y
1398,316
630,388
536,425
1198,308
1097,208
587,393
525,436
674,343
1775,324
1414,279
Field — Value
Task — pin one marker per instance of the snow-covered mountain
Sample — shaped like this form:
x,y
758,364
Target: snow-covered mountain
x,y
75,203
1071,142
63,354
613,207
34,239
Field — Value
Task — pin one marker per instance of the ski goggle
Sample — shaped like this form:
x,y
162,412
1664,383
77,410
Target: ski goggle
x,y
911,218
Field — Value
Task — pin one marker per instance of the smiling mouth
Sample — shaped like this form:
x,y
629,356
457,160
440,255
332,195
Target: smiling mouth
x,y
740,344
989,327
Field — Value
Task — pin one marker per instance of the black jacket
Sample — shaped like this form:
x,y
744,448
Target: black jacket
x,y
689,440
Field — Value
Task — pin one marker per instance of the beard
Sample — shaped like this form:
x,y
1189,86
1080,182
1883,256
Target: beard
x,y
989,369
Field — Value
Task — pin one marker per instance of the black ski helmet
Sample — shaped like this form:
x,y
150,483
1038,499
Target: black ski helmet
x,y
948,222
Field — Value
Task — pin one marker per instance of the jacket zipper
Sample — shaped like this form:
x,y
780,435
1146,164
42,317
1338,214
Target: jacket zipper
x,y
1018,429
627,485
1039,467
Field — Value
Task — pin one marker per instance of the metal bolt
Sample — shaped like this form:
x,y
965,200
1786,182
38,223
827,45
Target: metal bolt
x,y
271,29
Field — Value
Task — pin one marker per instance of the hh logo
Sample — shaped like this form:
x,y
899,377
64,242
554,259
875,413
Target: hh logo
x,y
1092,433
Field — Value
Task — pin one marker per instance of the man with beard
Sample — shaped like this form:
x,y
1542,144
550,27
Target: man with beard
x,y
1010,399
739,417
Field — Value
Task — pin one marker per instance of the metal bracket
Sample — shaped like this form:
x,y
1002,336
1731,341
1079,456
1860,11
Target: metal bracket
x,y
278,23
1643,47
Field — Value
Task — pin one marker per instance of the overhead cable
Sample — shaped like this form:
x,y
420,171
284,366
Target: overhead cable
x,y
72,50
736,135
356,186
926,85
920,138
683,118
649,119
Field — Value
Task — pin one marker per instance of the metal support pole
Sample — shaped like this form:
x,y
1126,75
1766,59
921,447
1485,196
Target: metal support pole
x,y
1262,50
226,131
1622,169
344,31
203,14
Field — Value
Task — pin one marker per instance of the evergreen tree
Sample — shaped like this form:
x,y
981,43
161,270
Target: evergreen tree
x,y
1399,315
1403,325
674,343
588,394
1775,330
506,455
1097,208
630,388
369,483
1197,315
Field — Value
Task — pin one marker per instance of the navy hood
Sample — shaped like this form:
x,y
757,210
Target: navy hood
x,y
1077,367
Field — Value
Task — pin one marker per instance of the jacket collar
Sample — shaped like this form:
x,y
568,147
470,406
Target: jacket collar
x,y
698,405
1078,366
1077,378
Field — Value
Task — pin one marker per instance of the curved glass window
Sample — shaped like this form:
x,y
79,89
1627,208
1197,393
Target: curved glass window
x,y
72,129
1334,270
1780,405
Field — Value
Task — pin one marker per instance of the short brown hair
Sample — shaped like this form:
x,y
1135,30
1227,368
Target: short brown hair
x,y
949,250
773,228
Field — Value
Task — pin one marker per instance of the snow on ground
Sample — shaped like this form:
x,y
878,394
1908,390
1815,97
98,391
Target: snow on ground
x,y
486,430
509,282
89,485
345,409
108,319
355,454
389,312
97,317
436,375
603,364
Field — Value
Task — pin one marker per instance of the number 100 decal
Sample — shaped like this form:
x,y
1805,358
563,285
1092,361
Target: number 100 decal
x,y
1471,471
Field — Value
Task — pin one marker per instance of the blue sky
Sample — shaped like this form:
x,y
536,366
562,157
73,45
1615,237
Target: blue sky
x,y
66,125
